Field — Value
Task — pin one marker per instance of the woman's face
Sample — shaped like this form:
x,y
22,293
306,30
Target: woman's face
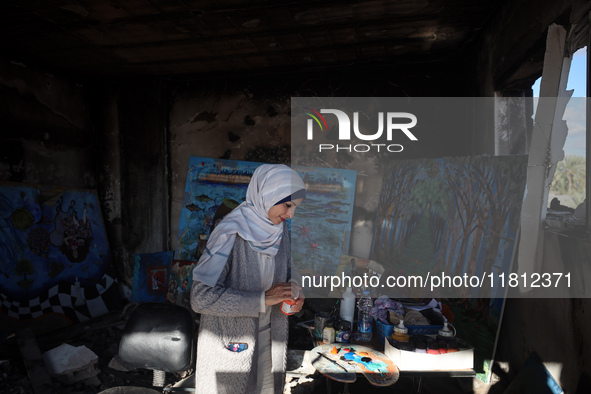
x,y
278,213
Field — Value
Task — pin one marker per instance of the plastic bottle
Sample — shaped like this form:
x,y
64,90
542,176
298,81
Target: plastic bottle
x,y
328,336
445,332
445,339
348,306
287,307
364,319
400,333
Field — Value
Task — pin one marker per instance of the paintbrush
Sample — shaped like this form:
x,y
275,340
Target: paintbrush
x,y
334,362
334,309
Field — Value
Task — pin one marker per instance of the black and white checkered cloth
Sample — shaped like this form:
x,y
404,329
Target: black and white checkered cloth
x,y
61,298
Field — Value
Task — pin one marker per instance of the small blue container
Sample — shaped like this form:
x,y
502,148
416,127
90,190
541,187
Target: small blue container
x,y
384,330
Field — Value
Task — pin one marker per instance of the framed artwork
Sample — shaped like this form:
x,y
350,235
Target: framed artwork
x,y
151,273
55,255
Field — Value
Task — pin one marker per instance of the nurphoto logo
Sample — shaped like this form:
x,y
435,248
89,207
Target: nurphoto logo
x,y
393,124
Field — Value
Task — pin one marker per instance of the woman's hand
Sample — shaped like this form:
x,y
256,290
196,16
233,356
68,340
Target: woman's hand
x,y
283,291
299,302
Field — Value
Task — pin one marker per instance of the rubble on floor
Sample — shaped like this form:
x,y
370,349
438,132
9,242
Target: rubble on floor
x,y
101,336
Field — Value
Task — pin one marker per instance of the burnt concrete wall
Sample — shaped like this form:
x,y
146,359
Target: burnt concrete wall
x,y
511,54
46,133
249,119
555,329
112,137
131,119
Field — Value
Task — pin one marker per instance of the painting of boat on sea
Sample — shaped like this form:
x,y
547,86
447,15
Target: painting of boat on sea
x,y
320,229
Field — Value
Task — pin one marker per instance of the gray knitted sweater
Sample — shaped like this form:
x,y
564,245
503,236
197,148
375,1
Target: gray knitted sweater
x,y
229,314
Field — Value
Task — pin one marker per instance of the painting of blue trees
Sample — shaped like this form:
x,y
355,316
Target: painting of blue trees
x,y
455,217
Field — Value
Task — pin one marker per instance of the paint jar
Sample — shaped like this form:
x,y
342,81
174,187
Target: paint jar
x,y
343,331
287,307
400,333
328,335
445,332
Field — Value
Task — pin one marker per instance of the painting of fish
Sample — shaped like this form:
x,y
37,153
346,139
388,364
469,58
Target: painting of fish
x,y
203,198
338,203
336,221
335,211
213,187
319,237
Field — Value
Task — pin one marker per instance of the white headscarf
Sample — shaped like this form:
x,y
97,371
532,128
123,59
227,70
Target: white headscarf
x,y
269,184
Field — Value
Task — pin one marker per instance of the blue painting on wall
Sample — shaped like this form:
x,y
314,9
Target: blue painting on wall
x,y
320,229
213,188
54,254
151,273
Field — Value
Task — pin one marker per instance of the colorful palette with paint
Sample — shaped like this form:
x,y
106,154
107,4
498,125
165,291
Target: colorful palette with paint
x,y
342,363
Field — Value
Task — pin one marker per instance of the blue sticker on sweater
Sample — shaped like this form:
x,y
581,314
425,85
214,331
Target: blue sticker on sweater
x,y
237,347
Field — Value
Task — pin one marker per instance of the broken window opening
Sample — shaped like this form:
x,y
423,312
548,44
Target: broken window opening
x,y
568,187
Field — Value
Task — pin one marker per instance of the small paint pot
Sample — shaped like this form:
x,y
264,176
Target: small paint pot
x,y
320,319
287,307
343,332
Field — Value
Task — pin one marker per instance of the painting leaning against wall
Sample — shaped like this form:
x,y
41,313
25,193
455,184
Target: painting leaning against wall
x,y
453,216
54,255
213,188
321,227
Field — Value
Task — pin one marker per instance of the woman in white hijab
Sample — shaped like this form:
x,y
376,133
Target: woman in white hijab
x,y
239,284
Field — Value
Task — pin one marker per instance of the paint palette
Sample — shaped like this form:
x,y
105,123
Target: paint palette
x,y
342,362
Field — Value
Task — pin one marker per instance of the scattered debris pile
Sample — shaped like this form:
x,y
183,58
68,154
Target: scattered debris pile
x,y
88,371
79,359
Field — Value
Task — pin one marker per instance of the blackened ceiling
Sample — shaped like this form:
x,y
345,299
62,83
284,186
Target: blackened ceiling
x,y
167,38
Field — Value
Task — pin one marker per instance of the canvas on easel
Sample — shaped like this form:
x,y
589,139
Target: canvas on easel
x,y
454,216
180,283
